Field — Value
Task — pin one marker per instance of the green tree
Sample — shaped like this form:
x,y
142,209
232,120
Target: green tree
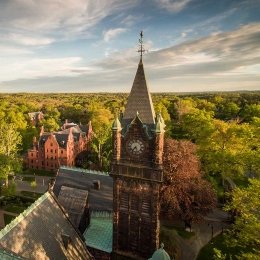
x,y
246,229
51,121
10,140
101,120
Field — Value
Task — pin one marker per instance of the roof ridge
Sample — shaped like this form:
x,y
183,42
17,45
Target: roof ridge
x,y
84,171
24,214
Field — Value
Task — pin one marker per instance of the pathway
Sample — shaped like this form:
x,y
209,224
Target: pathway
x,y
212,225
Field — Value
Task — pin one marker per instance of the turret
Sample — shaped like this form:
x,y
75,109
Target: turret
x,y
160,254
159,139
116,138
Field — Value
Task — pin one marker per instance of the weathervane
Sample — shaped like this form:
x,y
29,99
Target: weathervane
x,y
141,47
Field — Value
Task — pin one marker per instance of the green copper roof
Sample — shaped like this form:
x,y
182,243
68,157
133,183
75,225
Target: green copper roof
x,y
116,125
5,255
18,219
84,171
99,233
160,125
160,254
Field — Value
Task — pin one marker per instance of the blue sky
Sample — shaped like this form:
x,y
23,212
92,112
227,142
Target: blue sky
x,y
91,45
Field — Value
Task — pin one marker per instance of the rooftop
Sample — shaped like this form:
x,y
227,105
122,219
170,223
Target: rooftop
x,y
38,233
101,199
99,233
74,201
139,100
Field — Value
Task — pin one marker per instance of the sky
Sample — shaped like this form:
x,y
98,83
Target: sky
x,y
91,45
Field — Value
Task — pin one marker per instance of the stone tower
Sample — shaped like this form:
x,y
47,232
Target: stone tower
x,y
137,172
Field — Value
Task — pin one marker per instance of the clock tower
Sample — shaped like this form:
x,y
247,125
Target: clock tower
x,y
137,172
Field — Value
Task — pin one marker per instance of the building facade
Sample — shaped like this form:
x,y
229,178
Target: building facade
x,y
59,148
137,172
36,117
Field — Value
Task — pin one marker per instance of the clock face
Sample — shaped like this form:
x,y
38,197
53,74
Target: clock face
x,y
135,147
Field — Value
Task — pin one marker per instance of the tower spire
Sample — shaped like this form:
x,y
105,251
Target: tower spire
x,y
140,98
141,47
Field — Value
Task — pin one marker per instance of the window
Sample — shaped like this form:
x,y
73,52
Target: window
x,y
51,150
124,201
61,151
51,144
31,161
134,202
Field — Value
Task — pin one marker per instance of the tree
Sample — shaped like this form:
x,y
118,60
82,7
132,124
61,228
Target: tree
x,y
246,229
10,140
101,144
51,118
184,192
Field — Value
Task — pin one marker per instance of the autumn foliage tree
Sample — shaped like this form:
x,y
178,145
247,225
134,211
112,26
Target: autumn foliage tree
x,y
185,193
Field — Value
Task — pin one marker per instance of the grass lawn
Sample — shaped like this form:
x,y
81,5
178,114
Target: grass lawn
x,y
177,229
8,218
14,208
217,242
31,194
168,234
38,172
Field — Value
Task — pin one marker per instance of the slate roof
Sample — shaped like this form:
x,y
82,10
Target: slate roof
x,y
62,136
139,100
74,201
83,179
38,233
101,223
6,255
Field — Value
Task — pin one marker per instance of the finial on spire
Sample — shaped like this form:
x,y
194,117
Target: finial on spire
x,y
141,47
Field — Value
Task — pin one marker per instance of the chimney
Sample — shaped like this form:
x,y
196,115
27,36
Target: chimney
x,y
66,240
34,142
96,184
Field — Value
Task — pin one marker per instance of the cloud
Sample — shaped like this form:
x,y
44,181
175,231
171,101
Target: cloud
x,y
113,33
219,52
22,39
36,68
223,61
173,6
62,19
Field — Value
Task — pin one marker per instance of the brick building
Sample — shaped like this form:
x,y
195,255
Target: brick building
x,y
59,148
36,117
